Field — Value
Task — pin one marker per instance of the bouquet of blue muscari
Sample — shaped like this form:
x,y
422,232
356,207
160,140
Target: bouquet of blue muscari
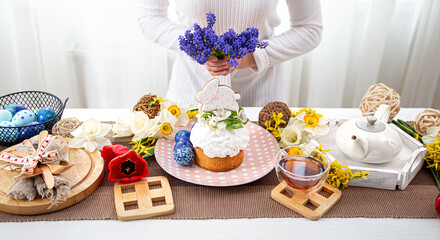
x,y
203,42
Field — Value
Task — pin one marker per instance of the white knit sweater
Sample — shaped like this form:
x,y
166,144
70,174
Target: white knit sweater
x,y
257,86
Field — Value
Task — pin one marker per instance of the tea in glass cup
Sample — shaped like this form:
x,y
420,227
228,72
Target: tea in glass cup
x,y
301,174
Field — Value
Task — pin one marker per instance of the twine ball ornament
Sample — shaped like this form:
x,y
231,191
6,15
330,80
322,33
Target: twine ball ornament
x,y
276,107
143,105
379,94
426,119
64,127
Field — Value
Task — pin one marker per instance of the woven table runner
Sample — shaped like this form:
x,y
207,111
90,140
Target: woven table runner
x,y
253,201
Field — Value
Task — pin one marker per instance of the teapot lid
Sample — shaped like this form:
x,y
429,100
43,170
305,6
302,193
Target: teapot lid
x,y
370,124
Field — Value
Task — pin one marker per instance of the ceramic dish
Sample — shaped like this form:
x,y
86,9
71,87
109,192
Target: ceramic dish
x,y
258,161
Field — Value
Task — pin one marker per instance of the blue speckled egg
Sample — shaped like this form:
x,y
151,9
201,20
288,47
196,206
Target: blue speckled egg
x,y
28,132
182,135
5,115
45,114
8,135
14,108
183,153
23,117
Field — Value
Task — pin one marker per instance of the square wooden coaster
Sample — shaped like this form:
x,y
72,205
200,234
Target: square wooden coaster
x,y
313,207
143,198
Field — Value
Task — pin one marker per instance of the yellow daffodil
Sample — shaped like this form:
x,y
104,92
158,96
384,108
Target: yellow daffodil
x,y
166,125
313,123
295,150
177,110
166,129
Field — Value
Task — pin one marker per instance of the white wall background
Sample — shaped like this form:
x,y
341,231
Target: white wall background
x,y
92,52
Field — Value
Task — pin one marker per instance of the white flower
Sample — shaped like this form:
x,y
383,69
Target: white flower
x,y
121,129
91,135
166,126
312,123
308,148
142,126
432,134
178,110
220,115
292,135
242,116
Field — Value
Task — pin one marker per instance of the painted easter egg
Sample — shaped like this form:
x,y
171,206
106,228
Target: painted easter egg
x,y
183,153
182,135
5,115
8,135
45,114
23,117
29,131
14,108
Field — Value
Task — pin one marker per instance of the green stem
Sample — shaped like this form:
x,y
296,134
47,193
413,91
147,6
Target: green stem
x,y
434,173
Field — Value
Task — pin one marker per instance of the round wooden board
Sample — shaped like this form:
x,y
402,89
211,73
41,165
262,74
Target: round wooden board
x,y
85,176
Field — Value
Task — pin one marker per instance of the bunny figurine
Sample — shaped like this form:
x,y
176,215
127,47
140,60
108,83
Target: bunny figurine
x,y
214,96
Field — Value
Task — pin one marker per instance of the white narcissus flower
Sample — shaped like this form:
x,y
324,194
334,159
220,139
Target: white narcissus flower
x,y
121,129
292,135
432,134
312,123
178,110
166,125
91,135
142,126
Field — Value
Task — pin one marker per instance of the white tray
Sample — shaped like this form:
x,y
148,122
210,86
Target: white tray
x,y
395,174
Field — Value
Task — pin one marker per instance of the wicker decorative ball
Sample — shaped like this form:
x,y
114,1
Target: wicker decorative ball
x,y
276,107
143,105
426,119
64,127
379,94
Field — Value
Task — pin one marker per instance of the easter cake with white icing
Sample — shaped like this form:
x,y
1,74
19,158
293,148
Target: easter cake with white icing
x,y
219,137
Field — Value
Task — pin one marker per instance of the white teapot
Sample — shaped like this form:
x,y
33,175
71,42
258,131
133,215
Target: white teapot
x,y
370,139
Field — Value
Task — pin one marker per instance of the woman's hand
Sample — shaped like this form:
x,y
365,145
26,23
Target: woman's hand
x,y
220,67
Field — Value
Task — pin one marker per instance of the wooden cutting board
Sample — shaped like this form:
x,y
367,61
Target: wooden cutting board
x,y
85,176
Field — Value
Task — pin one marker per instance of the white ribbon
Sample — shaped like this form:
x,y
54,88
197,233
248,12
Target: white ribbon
x,y
30,163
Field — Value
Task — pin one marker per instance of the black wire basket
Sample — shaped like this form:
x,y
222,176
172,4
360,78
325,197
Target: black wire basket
x,y
34,101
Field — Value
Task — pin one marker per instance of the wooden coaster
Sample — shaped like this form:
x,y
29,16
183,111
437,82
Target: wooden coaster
x,y
319,204
142,198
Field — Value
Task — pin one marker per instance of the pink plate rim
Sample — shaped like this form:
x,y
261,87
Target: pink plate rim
x,y
262,146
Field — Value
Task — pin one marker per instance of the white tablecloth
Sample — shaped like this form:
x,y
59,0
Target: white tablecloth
x,y
262,228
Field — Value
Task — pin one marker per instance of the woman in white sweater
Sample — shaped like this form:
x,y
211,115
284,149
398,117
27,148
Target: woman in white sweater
x,y
258,77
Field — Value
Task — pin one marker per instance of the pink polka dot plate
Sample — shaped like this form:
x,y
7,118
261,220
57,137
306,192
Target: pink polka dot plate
x,y
258,161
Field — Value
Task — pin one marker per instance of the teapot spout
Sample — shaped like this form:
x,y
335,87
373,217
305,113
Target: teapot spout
x,y
359,148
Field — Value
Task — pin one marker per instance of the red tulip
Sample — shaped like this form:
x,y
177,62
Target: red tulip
x,y
110,152
127,167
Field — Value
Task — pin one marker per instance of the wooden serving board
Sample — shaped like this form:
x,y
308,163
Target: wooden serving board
x,y
85,176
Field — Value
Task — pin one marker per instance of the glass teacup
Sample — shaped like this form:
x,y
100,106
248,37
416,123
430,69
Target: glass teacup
x,y
300,173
